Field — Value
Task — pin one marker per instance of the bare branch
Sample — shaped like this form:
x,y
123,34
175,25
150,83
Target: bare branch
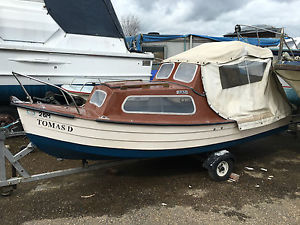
x,y
130,25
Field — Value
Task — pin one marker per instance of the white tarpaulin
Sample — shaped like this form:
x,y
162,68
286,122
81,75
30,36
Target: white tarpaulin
x,y
238,83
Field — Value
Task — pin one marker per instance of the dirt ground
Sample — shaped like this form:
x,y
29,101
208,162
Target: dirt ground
x,y
164,191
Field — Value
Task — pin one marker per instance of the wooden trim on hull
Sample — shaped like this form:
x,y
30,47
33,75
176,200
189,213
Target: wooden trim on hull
x,y
116,122
44,110
170,124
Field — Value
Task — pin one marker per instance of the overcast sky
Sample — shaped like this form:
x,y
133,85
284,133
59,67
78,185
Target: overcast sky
x,y
210,17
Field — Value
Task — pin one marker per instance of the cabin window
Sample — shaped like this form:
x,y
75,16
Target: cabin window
x,y
98,98
178,105
185,72
165,71
242,73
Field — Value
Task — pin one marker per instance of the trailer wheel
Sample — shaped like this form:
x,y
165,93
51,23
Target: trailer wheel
x,y
219,165
221,170
6,191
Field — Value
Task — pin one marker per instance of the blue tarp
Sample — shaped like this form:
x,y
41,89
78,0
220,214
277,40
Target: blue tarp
x,y
135,42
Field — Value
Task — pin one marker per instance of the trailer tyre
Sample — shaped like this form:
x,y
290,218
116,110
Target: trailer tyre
x,y
219,165
221,169
6,191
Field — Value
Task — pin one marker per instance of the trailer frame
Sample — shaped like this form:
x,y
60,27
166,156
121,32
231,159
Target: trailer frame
x,y
8,184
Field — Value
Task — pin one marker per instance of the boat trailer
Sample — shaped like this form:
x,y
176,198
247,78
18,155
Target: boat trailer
x,y
217,163
7,185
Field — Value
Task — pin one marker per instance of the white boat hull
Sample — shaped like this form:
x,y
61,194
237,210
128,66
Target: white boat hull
x,y
129,140
63,68
32,43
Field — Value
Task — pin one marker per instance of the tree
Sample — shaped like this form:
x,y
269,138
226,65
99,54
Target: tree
x,y
130,25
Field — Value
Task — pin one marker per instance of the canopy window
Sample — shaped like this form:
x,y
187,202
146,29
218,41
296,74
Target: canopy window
x,y
243,73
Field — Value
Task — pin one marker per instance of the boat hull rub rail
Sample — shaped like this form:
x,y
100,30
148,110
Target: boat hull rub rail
x,y
8,184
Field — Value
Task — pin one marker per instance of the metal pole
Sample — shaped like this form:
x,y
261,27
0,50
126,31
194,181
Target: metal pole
x,y
281,47
291,51
44,82
258,37
295,43
24,89
191,41
2,157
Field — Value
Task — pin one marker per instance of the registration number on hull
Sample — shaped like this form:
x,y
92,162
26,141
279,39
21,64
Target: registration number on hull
x,y
44,115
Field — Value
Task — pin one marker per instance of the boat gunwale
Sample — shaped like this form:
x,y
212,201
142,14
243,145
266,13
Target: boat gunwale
x,y
43,110
287,67
116,122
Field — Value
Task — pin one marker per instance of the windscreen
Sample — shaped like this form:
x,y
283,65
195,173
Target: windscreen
x,y
165,71
185,72
98,98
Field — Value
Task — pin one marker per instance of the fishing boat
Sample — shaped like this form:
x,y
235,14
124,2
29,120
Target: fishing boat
x,y
209,98
57,41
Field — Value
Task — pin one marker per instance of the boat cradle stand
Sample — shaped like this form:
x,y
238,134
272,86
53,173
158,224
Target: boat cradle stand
x,y
8,184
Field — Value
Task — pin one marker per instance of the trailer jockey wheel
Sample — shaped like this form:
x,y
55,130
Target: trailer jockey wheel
x,y
219,165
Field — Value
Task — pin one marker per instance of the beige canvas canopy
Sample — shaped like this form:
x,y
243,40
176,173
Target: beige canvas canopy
x,y
220,52
238,82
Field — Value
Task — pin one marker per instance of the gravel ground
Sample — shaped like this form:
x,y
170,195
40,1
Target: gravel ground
x,y
164,191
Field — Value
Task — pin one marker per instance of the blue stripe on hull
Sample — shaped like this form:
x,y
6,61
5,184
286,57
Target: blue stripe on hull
x,y
292,96
66,150
16,90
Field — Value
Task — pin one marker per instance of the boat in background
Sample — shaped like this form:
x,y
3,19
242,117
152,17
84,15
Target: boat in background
x,y
290,92
286,62
287,66
57,41
211,97
290,44
82,90
289,71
